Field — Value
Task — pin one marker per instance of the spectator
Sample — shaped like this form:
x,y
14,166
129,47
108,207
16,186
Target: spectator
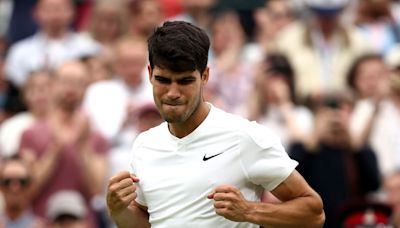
x,y
144,17
52,45
231,67
36,95
197,12
99,67
377,24
274,103
108,22
270,20
321,48
66,209
67,153
329,163
118,97
15,183
375,119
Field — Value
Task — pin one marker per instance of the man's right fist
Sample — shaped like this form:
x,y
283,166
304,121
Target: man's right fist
x,y
121,192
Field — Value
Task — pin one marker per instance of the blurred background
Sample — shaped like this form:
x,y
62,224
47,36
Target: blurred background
x,y
74,94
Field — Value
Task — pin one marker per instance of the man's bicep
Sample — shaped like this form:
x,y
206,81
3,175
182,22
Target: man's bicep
x,y
292,187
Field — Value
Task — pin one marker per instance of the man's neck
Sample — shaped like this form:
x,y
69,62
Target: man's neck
x,y
62,115
58,34
181,130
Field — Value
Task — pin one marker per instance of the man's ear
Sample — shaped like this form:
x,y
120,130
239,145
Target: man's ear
x,y
204,77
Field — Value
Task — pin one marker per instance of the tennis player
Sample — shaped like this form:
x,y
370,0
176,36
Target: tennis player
x,y
204,167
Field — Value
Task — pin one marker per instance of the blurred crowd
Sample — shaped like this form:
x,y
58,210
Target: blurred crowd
x,y
74,93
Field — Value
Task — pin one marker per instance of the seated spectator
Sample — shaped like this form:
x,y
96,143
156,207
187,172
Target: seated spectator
x,y
52,45
330,164
66,209
15,183
66,152
36,95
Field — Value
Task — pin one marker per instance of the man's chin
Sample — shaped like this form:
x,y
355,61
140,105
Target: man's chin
x,y
170,118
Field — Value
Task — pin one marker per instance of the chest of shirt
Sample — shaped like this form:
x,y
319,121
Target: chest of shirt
x,y
184,176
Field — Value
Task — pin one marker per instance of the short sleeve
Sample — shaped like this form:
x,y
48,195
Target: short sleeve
x,y
140,196
263,157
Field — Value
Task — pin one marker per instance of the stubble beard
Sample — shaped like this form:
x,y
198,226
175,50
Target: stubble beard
x,y
174,119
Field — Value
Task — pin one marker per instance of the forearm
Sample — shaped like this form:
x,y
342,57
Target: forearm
x,y
300,212
131,217
94,169
44,169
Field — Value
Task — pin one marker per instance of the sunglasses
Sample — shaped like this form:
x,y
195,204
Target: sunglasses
x,y
6,182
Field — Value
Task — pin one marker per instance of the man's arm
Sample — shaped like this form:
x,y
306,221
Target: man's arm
x,y
121,204
301,206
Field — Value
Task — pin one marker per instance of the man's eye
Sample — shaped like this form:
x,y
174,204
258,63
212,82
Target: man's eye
x,y
162,80
186,81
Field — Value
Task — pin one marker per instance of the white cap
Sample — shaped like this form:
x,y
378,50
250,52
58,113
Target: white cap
x,y
326,4
66,203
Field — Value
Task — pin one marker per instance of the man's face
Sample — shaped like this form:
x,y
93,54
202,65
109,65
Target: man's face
x,y
37,92
177,95
14,183
372,77
69,86
130,62
54,14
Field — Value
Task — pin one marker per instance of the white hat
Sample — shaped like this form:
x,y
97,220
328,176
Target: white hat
x,y
66,203
326,4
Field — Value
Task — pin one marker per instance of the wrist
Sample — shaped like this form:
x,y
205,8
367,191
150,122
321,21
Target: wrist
x,y
252,212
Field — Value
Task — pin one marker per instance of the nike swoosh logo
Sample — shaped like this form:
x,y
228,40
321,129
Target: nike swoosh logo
x,y
207,158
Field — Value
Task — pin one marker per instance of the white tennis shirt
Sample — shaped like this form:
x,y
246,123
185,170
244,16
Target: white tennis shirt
x,y
176,175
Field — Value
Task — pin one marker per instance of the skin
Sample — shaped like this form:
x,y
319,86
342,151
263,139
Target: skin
x,y
178,97
15,195
54,16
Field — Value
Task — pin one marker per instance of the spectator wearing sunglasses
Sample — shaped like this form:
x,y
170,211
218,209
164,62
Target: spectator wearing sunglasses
x,y
15,182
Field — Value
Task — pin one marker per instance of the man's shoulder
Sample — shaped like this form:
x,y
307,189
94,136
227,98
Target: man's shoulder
x,y
152,135
245,129
25,44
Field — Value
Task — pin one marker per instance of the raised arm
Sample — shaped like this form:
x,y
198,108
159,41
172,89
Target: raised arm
x,y
301,206
121,204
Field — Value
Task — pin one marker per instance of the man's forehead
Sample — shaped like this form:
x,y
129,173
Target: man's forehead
x,y
158,71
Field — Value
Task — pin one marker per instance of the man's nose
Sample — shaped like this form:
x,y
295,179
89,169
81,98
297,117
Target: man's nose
x,y
173,91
